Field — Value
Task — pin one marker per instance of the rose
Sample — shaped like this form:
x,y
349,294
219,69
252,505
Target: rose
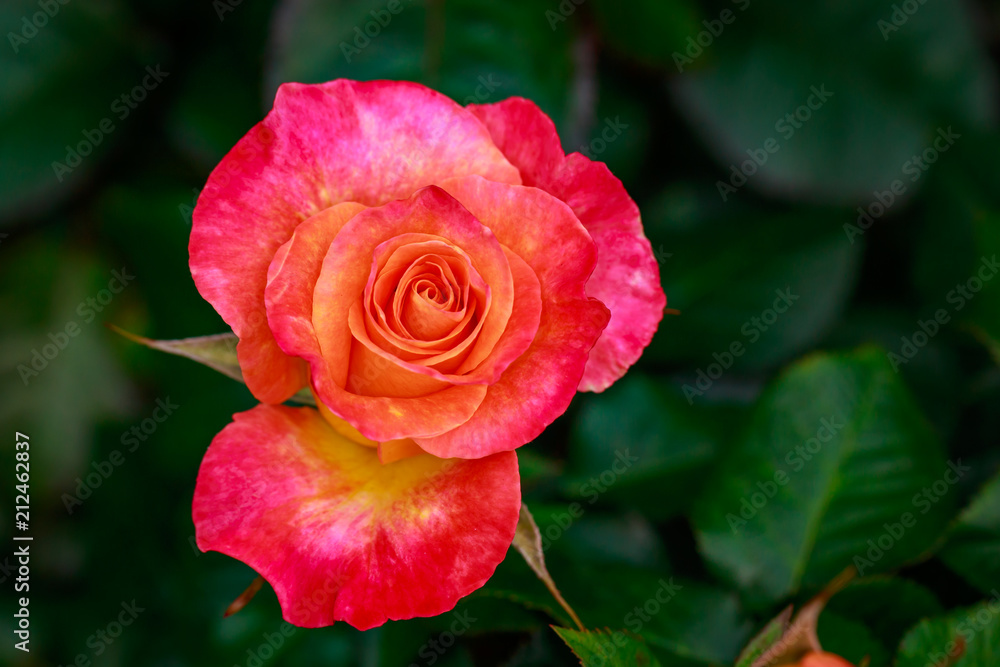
x,y
444,279
820,659
344,174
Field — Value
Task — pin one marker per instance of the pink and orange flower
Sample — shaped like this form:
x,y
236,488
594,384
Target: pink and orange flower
x,y
443,279
820,659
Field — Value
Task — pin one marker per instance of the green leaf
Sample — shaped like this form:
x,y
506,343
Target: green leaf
x,y
514,581
217,351
964,638
637,438
528,541
731,293
890,93
597,648
851,640
930,375
961,189
599,538
886,606
973,547
766,638
784,641
685,618
954,266
833,465
981,293
629,539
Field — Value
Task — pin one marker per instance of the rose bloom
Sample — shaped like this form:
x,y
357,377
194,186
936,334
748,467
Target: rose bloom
x,y
444,279
820,659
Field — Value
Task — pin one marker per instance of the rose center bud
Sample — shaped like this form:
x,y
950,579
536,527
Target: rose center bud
x,y
428,300
425,301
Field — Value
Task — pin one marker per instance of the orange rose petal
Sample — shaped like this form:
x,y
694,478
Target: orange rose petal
x,y
394,378
397,450
346,270
291,292
427,306
313,150
342,427
539,385
293,274
523,325
387,331
824,660
534,390
347,266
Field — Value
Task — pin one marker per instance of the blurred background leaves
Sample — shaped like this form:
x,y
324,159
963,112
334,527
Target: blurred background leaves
x,y
694,90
